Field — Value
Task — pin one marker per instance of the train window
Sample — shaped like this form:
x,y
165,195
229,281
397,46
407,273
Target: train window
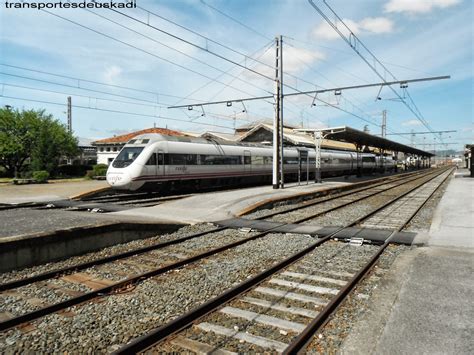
x,y
132,141
145,141
220,160
368,159
160,159
267,160
290,160
176,159
247,159
126,156
191,159
101,149
152,160
108,149
257,160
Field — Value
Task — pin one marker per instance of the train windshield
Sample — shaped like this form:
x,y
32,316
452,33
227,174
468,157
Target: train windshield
x,y
126,157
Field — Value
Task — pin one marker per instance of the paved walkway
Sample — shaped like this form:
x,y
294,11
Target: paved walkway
x,y
214,206
46,192
426,305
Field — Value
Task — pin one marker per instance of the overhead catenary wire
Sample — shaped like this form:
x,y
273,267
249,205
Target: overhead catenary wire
x,y
353,38
80,80
207,50
235,20
176,50
97,99
193,44
80,88
264,36
201,47
114,111
138,48
148,103
296,77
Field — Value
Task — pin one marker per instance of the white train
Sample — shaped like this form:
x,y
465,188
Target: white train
x,y
155,161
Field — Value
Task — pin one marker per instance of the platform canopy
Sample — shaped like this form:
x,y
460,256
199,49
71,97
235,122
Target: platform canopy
x,y
351,135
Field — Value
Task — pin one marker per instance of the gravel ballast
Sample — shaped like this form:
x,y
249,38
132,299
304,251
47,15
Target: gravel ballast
x,y
114,320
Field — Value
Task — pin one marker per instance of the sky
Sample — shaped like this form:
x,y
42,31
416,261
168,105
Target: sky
x,y
124,68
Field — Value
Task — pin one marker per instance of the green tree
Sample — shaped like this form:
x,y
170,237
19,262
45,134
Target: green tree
x,y
35,137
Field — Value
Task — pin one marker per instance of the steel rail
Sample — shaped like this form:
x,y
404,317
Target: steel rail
x,y
85,265
305,337
33,315
88,264
310,203
188,318
345,204
28,317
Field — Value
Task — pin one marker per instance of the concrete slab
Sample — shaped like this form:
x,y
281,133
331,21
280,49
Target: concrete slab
x,y
46,192
434,312
453,220
215,206
424,305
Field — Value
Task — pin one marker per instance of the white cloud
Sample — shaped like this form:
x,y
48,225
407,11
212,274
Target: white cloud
x,y
325,31
111,74
373,25
377,24
411,123
295,61
418,6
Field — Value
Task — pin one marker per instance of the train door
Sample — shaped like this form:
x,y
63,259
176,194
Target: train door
x,y
303,165
150,168
160,168
247,161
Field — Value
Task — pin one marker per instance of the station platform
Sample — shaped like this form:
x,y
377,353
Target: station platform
x,y
424,305
215,206
52,191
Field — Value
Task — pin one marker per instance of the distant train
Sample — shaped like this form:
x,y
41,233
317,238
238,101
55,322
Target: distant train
x,y
155,161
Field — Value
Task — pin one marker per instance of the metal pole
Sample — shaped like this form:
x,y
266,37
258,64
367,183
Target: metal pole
x,y
384,123
299,168
317,145
276,168
307,169
69,114
282,163
472,161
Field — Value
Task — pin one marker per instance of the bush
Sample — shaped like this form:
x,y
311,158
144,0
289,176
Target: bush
x,y
100,169
26,174
72,170
97,170
40,176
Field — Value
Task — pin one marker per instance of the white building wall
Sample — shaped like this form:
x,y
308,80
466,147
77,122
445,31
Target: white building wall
x,y
107,153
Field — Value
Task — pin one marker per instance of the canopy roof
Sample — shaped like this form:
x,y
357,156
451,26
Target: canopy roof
x,y
351,135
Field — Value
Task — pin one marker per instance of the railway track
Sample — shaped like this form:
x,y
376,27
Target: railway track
x,y
243,315
83,266
107,287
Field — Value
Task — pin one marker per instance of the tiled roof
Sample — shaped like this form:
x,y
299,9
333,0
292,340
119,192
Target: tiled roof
x,y
124,138
225,136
